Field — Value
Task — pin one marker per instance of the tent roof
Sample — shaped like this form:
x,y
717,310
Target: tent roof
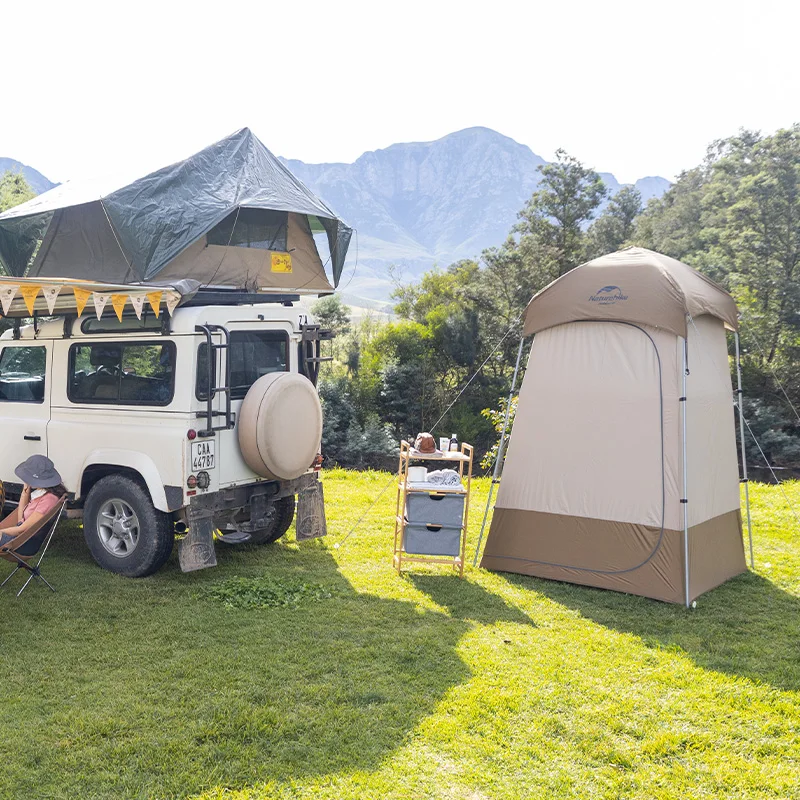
x,y
156,217
631,285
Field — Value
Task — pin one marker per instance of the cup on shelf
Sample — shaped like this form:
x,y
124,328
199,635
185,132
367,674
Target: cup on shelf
x,y
417,474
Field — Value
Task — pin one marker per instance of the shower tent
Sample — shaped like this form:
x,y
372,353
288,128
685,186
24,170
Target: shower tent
x,y
622,469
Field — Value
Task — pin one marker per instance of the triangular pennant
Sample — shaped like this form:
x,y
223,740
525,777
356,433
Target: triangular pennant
x,y
6,296
29,294
118,301
173,298
100,301
154,298
137,301
50,294
81,299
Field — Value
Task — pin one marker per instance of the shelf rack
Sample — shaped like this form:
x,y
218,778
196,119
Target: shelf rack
x,y
464,460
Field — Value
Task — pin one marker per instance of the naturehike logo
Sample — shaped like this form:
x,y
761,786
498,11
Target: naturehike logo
x,y
608,295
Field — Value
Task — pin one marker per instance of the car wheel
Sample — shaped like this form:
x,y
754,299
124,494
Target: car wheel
x,y
279,524
125,533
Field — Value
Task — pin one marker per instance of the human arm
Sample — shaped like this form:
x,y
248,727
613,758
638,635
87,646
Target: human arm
x,y
24,499
34,519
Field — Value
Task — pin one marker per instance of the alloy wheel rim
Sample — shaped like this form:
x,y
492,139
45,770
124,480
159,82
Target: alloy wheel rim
x,y
118,528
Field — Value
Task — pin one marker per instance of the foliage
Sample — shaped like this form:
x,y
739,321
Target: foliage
x,y
265,592
554,217
614,228
736,218
498,416
14,190
494,686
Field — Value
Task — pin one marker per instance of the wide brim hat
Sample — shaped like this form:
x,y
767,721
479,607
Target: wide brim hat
x,y
39,472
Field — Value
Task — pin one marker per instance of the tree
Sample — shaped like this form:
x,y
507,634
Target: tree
x,y
615,226
14,189
557,212
332,314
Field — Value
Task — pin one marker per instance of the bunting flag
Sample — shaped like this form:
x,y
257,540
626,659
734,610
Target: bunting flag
x,y
118,301
50,295
13,295
154,298
29,294
172,302
100,301
81,299
6,296
137,301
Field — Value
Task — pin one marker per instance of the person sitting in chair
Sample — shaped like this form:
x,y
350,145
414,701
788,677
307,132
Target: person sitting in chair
x,y
41,492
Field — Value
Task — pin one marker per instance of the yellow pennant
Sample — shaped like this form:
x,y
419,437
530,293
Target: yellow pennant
x,y
154,298
29,296
81,299
118,301
282,262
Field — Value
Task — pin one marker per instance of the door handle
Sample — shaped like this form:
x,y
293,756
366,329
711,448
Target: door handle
x,y
32,438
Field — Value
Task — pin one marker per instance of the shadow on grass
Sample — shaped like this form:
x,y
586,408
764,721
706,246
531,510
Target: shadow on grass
x,y
140,688
468,601
747,627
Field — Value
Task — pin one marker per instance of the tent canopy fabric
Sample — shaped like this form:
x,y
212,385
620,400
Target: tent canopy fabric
x,y
632,285
621,471
147,223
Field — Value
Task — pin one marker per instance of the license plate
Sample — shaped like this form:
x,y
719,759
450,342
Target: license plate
x,y
202,455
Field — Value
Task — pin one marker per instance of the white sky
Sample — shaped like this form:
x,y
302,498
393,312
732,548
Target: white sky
x,y
634,88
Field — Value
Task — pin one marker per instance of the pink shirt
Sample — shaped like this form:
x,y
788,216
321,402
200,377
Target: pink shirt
x,y
44,505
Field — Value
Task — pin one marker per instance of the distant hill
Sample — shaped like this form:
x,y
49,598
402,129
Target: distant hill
x,y
35,178
426,203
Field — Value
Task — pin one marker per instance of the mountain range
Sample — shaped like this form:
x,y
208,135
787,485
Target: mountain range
x,y
420,204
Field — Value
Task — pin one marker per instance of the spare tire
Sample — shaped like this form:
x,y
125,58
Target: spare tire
x,y
280,425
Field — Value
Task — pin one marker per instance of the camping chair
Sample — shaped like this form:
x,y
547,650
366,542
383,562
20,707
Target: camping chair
x,y
23,549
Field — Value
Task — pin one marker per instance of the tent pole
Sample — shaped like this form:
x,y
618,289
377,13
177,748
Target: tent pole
x,y
685,499
744,455
500,451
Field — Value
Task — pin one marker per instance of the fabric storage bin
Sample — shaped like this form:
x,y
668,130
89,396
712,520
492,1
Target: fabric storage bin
x,y
435,509
431,540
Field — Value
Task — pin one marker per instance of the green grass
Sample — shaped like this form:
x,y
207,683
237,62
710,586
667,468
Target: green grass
x,y
312,671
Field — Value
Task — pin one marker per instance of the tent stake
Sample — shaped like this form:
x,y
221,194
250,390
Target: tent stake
x,y
500,451
685,499
741,439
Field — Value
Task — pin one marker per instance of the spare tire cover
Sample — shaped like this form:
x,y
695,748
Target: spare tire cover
x,y
280,425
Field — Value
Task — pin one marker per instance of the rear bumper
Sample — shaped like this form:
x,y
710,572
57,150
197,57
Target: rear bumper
x,y
257,497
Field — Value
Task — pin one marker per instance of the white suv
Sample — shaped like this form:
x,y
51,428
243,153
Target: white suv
x,y
206,423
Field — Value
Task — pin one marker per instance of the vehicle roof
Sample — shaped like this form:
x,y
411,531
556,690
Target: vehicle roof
x,y
183,320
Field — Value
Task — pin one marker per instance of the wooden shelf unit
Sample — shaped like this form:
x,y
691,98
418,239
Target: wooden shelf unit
x,y
464,459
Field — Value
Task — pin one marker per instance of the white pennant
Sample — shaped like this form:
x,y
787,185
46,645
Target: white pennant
x,y
137,301
50,294
173,298
6,296
100,301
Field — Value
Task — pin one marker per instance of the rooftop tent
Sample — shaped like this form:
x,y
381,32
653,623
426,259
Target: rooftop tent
x,y
607,481
230,215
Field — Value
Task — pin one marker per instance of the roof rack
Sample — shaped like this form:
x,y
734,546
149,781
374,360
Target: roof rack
x,y
233,297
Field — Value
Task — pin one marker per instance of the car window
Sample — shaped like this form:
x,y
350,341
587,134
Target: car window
x,y
122,373
22,374
252,354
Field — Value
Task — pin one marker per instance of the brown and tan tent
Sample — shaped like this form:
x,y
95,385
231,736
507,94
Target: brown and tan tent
x,y
622,468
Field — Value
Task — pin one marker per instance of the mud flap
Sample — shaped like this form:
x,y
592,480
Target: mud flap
x,y
311,512
196,550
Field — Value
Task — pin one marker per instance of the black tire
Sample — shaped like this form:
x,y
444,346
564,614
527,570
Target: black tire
x,y
111,539
281,520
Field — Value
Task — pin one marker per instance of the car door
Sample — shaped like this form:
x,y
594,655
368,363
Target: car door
x,y
24,402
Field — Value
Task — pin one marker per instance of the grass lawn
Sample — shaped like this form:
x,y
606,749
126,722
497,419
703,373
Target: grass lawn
x,y
313,671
